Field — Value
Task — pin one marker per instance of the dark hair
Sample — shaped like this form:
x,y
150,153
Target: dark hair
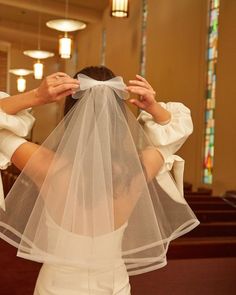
x,y
99,73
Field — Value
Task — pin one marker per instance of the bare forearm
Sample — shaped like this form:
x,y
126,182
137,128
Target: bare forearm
x,y
160,115
13,104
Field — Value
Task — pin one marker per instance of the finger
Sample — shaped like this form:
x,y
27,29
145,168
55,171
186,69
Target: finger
x,y
64,94
140,83
64,87
138,103
143,79
64,80
58,74
140,90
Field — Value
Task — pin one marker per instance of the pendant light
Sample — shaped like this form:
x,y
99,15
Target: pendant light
x,y
65,25
21,81
38,55
120,8
38,65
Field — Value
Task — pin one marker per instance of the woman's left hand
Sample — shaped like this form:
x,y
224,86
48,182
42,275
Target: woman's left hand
x,y
147,101
141,87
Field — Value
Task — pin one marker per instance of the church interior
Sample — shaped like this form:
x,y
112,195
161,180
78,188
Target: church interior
x,y
186,49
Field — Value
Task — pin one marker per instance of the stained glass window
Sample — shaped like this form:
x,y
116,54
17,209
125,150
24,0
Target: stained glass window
x,y
210,91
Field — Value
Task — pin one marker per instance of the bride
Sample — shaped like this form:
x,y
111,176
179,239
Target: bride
x,y
96,202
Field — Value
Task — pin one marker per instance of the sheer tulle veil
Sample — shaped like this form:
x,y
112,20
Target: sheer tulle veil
x,y
87,182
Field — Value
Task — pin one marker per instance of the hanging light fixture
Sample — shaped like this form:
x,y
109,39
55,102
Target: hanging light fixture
x,y
38,54
21,81
65,25
120,8
38,65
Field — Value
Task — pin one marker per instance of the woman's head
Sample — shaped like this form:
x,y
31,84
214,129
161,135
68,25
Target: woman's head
x,y
99,73
119,168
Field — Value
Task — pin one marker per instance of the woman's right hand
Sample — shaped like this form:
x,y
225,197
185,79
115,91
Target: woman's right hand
x,y
55,87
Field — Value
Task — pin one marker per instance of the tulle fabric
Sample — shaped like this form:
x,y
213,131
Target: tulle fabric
x,y
83,199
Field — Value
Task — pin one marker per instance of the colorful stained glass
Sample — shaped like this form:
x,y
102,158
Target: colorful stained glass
x,y
210,92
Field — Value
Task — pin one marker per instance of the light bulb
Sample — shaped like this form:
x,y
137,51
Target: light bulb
x,y
38,70
21,84
65,47
120,8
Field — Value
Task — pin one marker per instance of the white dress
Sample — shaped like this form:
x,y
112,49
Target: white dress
x,y
70,280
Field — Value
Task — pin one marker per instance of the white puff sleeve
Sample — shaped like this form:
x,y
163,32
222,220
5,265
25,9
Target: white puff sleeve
x,y
171,136
168,139
20,123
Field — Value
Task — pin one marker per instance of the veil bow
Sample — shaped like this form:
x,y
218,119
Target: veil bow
x,y
116,83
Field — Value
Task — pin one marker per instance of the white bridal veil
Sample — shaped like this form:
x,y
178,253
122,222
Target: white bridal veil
x,y
83,198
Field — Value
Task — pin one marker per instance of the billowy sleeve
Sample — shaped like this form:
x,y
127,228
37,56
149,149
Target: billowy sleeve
x,y
168,139
20,124
171,136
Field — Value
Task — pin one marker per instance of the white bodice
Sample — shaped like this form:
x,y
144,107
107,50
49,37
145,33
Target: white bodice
x,y
96,251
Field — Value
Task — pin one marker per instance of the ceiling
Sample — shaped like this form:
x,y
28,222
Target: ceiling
x,y
94,4
20,19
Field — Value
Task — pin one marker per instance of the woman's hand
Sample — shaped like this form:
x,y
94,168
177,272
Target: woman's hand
x,y
147,101
141,87
55,87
